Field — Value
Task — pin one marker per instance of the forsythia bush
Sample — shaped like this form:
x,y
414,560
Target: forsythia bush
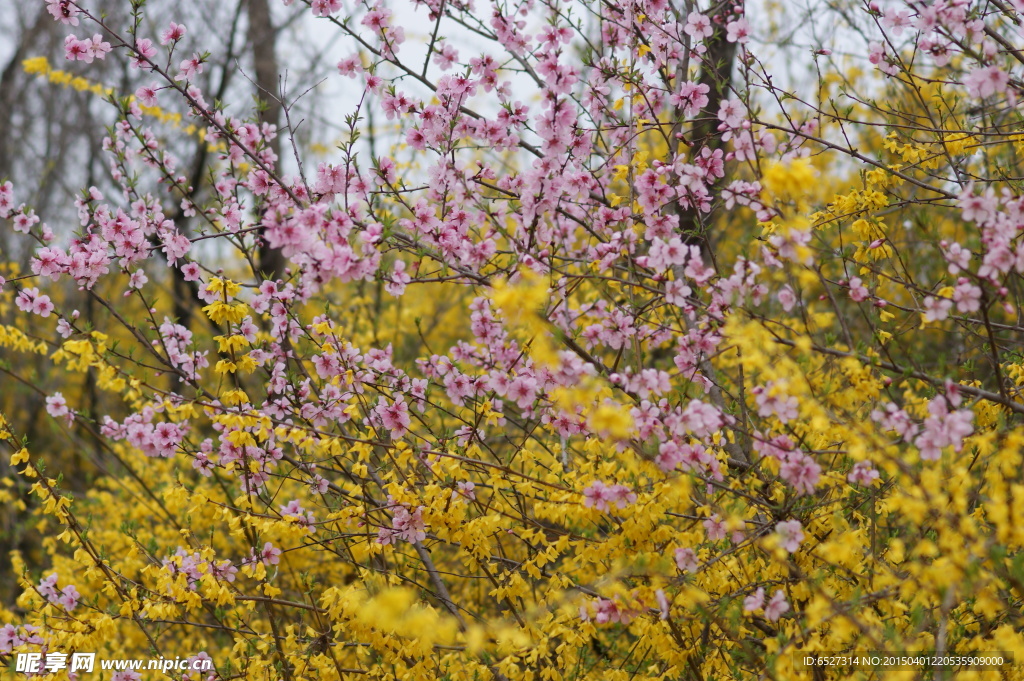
x,y
621,362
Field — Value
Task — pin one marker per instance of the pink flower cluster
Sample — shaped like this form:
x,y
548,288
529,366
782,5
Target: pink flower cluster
x,y
194,567
57,407
797,468
152,438
85,50
608,611
776,607
406,526
294,512
12,637
66,597
944,427
31,300
603,496
790,533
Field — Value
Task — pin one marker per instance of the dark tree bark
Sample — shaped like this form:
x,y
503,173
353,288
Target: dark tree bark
x,y
263,38
716,73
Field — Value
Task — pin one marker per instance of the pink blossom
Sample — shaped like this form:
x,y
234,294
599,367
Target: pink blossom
x,y
738,31
790,245
698,26
858,292
959,258
30,300
77,50
980,208
943,429
387,172
600,495
64,328
691,98
406,526
201,463
686,559
896,20
325,8
466,490
862,473
350,66
270,555
172,34
190,272
786,297
63,11
715,528
259,182
776,606
691,457
731,112
294,511
68,598
6,199
893,418
754,601
801,472
223,570
100,47
138,279
936,309
126,675
790,533
677,293
743,146
145,52
47,587
446,56
877,56
190,67
394,417
967,296
9,639
663,605
57,407
771,400
986,81
663,255
607,611
398,281
523,390
88,49
49,262
24,220
701,418
940,49
165,438
695,268
146,94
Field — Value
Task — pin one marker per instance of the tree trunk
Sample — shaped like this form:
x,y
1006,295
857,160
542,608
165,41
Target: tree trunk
x,y
263,38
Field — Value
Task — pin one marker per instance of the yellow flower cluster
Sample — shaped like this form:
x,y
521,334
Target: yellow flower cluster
x,y
41,67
